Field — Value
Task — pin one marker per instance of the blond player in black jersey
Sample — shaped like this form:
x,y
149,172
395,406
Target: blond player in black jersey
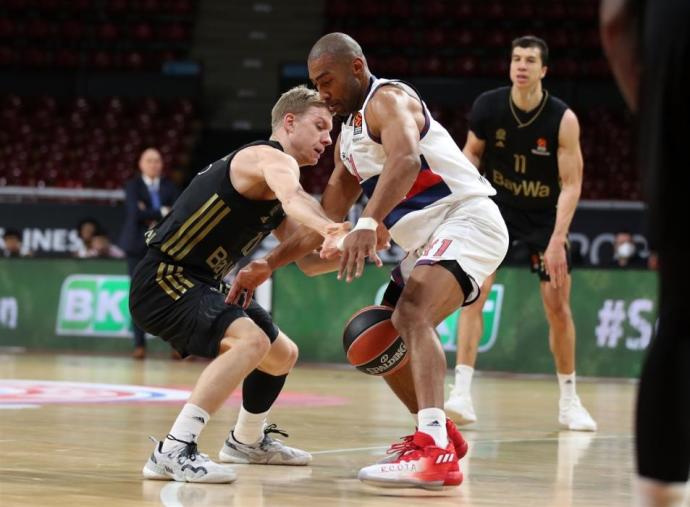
x,y
177,292
527,142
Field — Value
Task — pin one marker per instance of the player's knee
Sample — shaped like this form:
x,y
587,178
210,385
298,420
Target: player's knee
x,y
291,356
259,342
287,359
408,320
252,340
558,311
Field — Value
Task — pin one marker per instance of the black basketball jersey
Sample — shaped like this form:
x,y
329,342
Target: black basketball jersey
x,y
211,226
521,152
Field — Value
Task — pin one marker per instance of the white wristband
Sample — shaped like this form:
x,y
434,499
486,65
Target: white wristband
x,y
367,223
364,223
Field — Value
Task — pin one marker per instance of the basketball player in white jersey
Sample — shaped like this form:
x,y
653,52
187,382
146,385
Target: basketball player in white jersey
x,y
436,206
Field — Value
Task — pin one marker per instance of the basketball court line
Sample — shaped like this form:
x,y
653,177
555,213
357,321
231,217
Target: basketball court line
x,y
480,442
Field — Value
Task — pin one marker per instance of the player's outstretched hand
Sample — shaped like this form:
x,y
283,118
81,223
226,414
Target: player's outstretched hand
x,y
357,246
334,234
247,280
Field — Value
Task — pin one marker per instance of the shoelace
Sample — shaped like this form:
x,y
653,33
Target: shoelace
x,y
273,428
190,450
403,447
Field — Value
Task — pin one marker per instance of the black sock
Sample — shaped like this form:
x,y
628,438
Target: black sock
x,y
260,390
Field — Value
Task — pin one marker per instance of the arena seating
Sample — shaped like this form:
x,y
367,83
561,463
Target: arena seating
x,y
94,35
610,171
469,38
89,143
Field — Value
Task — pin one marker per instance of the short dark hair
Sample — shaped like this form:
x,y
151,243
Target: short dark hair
x,y
10,232
532,41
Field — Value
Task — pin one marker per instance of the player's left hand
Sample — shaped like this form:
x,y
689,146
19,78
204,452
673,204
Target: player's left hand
x,y
247,280
555,263
358,245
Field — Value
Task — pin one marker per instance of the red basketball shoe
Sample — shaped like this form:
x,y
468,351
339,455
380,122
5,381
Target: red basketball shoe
x,y
454,435
421,464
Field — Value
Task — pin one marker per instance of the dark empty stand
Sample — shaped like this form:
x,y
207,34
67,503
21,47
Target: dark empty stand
x,y
92,143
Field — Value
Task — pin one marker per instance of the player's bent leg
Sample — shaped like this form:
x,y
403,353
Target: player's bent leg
x,y
250,441
428,459
401,383
571,413
241,349
281,357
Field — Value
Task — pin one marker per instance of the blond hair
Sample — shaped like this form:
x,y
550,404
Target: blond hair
x,y
296,101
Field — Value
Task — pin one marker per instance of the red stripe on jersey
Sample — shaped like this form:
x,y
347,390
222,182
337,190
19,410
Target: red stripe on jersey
x,y
425,179
354,168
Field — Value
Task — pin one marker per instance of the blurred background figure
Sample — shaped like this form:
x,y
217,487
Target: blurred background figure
x,y
12,247
148,198
102,248
648,45
86,229
626,254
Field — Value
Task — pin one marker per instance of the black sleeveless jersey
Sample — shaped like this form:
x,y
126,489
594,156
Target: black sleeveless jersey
x,y
212,226
521,152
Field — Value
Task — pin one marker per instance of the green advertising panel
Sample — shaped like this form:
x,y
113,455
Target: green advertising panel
x,y
94,305
76,304
82,305
614,313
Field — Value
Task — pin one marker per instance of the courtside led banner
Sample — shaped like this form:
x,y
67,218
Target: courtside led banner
x,y
94,305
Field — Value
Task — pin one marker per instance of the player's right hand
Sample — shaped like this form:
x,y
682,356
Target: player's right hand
x,y
247,280
334,233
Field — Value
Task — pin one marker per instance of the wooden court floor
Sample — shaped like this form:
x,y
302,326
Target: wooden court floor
x,y
73,432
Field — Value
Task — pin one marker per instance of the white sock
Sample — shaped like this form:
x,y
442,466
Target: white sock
x,y
567,384
188,426
249,428
432,421
463,379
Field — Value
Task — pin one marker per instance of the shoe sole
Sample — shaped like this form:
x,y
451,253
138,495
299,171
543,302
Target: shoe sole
x,y
229,458
155,475
581,428
150,473
393,484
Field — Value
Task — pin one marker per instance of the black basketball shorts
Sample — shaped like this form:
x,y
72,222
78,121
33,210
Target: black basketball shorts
x,y
186,312
533,229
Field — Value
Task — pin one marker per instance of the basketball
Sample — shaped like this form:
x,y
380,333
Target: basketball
x,y
371,342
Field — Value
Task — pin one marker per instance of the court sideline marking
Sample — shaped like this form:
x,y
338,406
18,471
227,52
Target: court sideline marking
x,y
478,442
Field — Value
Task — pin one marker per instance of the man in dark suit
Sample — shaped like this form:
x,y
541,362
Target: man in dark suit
x,y
148,198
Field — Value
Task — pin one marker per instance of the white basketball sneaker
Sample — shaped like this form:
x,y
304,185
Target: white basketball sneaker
x,y
574,416
185,463
268,451
459,408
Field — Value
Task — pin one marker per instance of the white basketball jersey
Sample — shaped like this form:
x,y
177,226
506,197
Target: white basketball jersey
x,y
445,177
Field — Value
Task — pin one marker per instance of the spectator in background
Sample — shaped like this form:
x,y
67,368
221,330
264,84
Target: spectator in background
x,y
625,253
86,229
12,247
148,198
102,248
